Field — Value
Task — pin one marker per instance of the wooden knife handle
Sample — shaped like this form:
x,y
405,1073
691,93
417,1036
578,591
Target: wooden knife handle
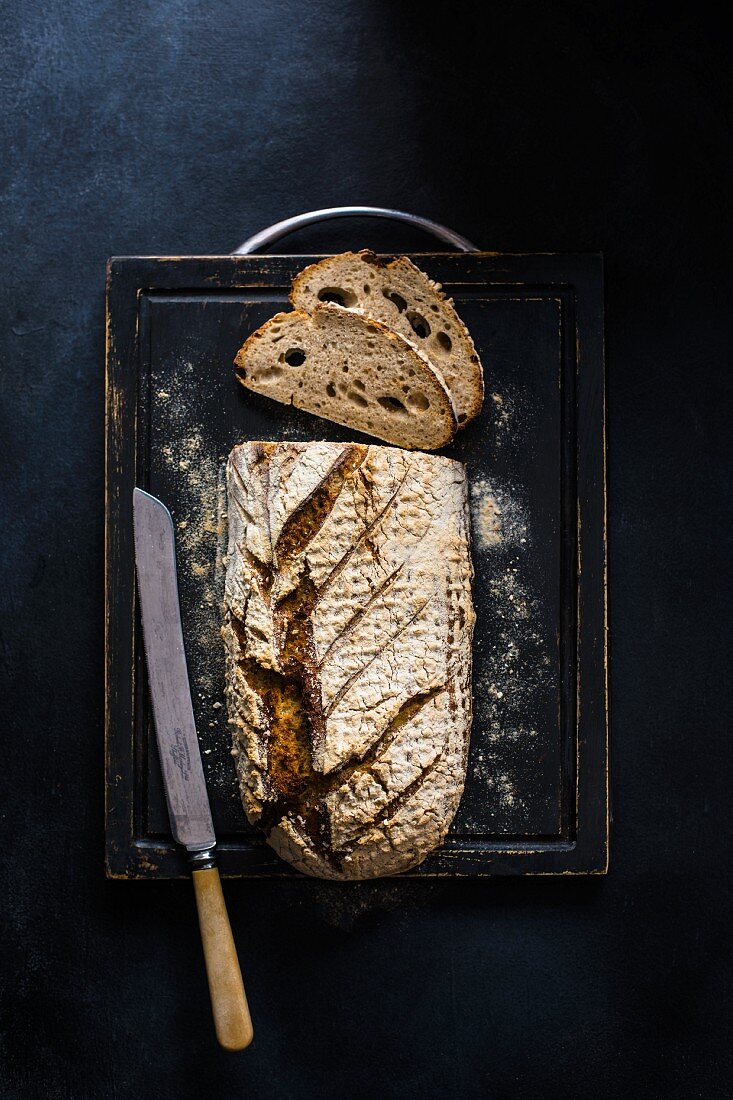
x,y
228,1000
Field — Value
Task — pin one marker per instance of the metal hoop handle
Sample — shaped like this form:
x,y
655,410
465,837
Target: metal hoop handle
x,y
281,229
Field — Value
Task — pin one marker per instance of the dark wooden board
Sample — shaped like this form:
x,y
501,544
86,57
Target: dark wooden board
x,y
536,797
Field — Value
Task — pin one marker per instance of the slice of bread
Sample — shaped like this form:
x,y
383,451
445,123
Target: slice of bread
x,y
352,369
403,297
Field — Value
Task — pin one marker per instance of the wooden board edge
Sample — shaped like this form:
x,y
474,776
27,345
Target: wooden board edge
x,y
120,404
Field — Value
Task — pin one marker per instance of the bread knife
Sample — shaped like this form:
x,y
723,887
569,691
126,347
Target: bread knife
x,y
180,760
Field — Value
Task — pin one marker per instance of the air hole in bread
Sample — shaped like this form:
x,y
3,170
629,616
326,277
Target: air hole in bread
x,y
359,384
395,298
411,373
358,399
337,294
444,341
331,389
392,405
271,374
367,288
418,324
462,417
345,368
294,357
418,400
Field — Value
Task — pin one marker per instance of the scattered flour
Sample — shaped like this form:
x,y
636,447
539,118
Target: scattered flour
x,y
513,667
503,421
497,514
201,533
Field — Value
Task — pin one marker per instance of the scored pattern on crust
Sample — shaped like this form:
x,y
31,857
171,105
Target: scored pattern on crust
x,y
348,623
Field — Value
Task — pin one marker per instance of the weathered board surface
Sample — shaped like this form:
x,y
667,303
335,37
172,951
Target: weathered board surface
x,y
536,797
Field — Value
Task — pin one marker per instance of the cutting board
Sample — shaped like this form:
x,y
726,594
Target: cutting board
x,y
536,795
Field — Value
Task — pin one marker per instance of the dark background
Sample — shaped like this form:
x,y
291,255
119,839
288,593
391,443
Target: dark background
x,y
173,127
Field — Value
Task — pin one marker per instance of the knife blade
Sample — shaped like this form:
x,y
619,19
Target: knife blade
x,y
175,728
180,759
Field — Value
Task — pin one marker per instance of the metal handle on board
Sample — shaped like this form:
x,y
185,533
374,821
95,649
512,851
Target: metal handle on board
x,y
281,229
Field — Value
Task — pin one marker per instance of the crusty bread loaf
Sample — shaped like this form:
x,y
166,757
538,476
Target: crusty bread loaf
x,y
403,297
354,370
348,624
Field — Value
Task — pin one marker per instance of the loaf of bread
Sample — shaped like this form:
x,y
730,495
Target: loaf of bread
x,y
353,370
348,625
397,293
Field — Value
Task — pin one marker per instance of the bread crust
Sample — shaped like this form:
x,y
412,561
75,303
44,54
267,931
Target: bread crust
x,y
348,624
